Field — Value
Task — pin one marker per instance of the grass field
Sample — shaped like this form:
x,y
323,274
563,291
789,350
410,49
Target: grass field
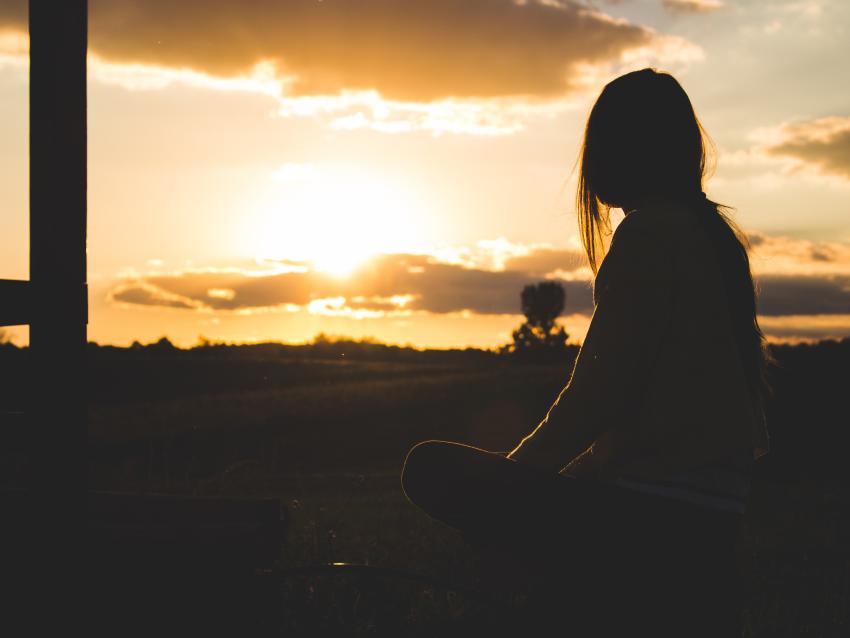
x,y
328,439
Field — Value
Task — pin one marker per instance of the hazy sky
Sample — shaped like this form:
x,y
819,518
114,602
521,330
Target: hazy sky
x,y
267,170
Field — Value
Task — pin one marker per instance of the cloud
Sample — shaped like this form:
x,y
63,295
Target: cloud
x,y
804,295
800,277
796,278
387,284
806,327
804,286
692,6
821,145
778,255
413,51
143,293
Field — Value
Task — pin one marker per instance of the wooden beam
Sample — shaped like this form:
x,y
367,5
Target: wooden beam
x,y
15,302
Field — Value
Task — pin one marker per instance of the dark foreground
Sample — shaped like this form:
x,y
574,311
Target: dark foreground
x,y
328,438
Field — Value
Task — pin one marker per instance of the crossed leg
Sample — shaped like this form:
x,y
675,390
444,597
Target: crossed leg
x,y
654,560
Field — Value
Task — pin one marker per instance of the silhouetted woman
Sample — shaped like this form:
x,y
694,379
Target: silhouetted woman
x,y
631,489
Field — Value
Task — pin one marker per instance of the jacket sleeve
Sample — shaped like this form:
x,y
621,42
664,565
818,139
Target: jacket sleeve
x,y
633,293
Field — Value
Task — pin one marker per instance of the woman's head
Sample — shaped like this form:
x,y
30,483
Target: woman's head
x,y
642,142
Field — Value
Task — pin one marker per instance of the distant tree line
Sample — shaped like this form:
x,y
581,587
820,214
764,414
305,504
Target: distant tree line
x,y
322,347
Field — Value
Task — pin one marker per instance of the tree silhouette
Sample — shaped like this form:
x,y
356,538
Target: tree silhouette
x,y
539,334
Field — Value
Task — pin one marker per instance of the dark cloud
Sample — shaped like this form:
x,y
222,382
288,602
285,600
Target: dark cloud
x,y
755,239
804,295
823,144
428,286
692,6
820,255
142,294
418,50
419,283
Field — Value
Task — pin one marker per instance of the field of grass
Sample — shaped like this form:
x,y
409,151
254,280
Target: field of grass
x,y
328,439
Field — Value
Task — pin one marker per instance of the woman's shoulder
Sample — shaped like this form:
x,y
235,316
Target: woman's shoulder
x,y
648,235
642,250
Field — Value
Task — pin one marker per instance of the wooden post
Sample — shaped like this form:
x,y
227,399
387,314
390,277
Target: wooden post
x,y
58,36
57,430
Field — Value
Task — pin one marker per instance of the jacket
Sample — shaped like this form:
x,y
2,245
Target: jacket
x,y
658,386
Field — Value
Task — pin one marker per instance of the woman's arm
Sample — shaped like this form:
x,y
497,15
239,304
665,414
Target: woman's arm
x,y
634,296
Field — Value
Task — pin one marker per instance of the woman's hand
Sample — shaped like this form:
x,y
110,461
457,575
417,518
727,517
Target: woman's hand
x,y
542,458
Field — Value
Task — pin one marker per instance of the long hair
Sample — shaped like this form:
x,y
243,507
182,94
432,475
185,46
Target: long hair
x,y
642,142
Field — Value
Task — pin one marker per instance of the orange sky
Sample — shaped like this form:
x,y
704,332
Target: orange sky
x,y
401,170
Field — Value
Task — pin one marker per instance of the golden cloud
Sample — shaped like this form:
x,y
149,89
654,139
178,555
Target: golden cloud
x,y
797,328
692,6
778,255
821,145
408,50
392,285
795,277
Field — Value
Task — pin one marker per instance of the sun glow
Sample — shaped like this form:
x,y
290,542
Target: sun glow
x,y
336,219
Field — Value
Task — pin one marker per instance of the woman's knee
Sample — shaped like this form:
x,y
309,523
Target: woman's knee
x,y
419,467
434,468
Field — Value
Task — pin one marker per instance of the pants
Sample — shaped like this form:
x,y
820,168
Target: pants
x,y
618,560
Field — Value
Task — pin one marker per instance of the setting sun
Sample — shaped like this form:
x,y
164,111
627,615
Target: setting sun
x,y
336,219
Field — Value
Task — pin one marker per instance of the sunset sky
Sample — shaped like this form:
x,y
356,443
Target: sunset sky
x,y
271,169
